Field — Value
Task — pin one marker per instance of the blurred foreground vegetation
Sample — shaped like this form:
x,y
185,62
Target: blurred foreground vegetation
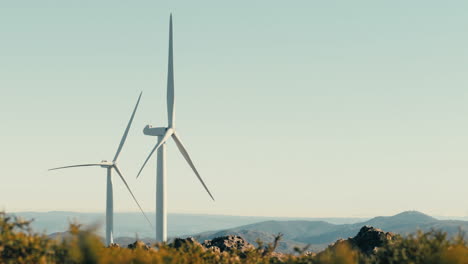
x,y
20,244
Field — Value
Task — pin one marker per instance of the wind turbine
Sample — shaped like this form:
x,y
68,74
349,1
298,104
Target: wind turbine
x,y
109,165
163,134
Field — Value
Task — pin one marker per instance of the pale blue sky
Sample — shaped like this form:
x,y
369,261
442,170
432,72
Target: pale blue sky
x,y
289,108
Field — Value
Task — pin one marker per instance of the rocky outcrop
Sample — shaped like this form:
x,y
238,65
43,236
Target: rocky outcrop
x,y
138,244
368,240
228,243
179,242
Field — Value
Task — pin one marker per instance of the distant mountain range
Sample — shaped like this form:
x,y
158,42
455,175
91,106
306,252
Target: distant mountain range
x,y
316,232
135,225
319,234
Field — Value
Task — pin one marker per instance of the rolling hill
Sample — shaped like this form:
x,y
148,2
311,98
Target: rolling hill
x,y
318,234
134,224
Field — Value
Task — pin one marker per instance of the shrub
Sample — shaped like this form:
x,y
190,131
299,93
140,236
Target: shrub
x,y
19,244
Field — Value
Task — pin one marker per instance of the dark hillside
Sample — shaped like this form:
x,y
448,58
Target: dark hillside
x,y
319,233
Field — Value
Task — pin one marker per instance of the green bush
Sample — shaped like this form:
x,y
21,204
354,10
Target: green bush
x,y
431,248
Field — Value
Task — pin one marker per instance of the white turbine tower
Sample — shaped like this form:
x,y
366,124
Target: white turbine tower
x,y
163,134
109,165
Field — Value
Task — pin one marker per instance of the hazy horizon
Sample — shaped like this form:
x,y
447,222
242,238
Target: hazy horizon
x,y
440,217
303,109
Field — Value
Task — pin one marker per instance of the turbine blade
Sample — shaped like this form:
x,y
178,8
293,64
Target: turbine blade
x,y
134,198
80,165
124,137
165,138
189,161
170,81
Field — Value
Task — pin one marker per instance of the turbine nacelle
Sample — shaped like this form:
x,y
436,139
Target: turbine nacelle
x,y
107,164
149,130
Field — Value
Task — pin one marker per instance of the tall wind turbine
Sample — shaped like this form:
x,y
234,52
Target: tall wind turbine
x,y
163,134
109,165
